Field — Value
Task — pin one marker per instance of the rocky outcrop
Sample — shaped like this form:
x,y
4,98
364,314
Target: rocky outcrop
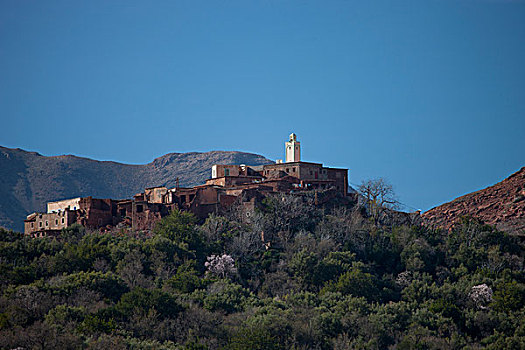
x,y
501,205
29,180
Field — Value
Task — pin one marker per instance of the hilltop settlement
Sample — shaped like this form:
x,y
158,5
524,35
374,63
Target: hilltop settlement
x,y
229,184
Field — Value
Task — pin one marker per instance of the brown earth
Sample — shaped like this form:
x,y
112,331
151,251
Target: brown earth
x,y
28,180
501,205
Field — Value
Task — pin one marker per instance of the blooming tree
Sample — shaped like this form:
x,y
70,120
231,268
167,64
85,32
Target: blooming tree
x,y
404,279
481,295
220,265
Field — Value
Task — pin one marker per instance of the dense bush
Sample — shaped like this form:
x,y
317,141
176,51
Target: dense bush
x,y
322,279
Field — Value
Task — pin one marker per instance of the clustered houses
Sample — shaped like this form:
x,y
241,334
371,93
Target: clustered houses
x,y
88,211
228,184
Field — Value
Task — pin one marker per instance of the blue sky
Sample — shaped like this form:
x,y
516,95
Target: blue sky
x,y
427,94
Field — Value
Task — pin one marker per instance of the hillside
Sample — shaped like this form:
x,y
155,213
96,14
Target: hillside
x,y
29,180
325,279
501,205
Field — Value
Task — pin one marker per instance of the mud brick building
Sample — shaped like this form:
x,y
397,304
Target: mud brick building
x,y
303,175
228,184
90,212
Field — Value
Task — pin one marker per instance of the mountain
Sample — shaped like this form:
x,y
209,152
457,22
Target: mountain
x,y
501,205
29,180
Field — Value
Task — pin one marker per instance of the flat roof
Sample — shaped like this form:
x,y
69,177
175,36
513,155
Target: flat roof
x,y
299,163
292,163
68,199
239,176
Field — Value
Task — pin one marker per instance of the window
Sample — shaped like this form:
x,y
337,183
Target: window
x,y
140,208
74,208
287,170
56,221
47,223
40,224
123,212
226,172
62,220
32,224
293,169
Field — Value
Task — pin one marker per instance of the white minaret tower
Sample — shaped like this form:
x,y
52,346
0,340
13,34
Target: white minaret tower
x,y
292,149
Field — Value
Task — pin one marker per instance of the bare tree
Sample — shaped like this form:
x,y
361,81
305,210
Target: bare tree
x,y
379,196
131,269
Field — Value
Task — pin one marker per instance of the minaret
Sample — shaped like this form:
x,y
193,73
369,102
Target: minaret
x,y
292,149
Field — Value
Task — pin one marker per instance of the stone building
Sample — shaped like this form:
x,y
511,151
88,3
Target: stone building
x,y
42,224
92,213
309,176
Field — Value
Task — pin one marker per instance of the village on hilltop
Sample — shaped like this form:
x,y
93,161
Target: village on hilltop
x,y
229,184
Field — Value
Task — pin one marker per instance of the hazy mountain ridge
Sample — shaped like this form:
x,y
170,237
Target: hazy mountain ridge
x,y
29,179
501,205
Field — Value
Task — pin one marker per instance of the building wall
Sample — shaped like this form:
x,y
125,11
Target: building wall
x,y
155,194
72,204
181,196
41,222
310,171
300,170
90,203
229,181
219,170
89,212
124,209
96,213
146,215
311,175
340,176
207,195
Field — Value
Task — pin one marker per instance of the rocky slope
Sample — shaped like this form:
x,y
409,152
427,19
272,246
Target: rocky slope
x,y
501,205
28,180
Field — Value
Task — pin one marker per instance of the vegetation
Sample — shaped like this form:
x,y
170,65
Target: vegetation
x,y
323,279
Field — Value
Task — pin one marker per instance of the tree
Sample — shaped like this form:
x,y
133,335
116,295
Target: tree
x,y
179,227
131,270
286,215
379,196
221,265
